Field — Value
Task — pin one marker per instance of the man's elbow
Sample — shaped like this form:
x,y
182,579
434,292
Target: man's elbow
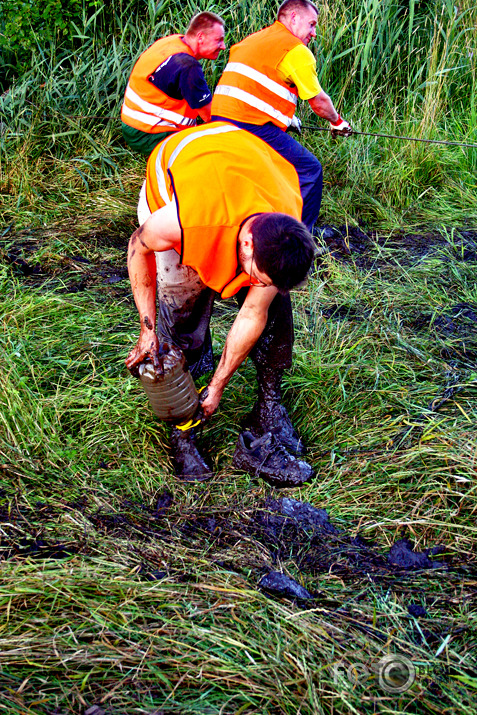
x,y
319,102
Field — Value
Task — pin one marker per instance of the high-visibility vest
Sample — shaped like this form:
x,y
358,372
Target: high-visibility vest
x,y
146,107
250,89
220,176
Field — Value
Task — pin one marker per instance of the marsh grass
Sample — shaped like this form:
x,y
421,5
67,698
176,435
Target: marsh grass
x,y
84,464
383,390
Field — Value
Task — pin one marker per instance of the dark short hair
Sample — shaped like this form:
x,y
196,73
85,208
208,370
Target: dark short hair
x,y
289,5
203,21
283,249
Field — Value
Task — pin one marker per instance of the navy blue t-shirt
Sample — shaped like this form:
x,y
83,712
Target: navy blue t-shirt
x,y
181,77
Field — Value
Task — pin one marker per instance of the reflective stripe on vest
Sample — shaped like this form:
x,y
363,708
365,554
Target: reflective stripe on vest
x,y
262,79
253,101
161,179
206,132
251,88
153,114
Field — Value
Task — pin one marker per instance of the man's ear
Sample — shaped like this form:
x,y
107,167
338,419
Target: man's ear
x,y
246,242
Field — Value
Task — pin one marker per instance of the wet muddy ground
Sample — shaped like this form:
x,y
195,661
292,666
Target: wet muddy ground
x,y
72,272
288,531
40,259
365,246
36,257
285,534
289,546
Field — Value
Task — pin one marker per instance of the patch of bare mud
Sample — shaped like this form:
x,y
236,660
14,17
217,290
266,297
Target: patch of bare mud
x,y
291,546
100,267
289,530
362,246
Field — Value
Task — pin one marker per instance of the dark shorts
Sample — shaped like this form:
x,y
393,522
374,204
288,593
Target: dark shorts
x,y
142,141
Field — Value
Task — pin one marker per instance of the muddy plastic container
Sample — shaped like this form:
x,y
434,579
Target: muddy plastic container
x,y
170,388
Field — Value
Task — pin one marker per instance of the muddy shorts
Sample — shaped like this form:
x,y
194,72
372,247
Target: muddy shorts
x,y
184,310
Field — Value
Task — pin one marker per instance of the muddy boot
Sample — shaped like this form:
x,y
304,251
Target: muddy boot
x,y
267,458
269,415
189,465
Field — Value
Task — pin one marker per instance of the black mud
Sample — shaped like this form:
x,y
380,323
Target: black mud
x,y
290,546
287,530
99,265
363,246
38,257
452,327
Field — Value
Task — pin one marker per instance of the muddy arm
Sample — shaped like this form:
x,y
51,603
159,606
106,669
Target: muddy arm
x,y
160,232
244,333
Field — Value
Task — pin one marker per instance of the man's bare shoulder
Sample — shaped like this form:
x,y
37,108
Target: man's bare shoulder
x,y
161,231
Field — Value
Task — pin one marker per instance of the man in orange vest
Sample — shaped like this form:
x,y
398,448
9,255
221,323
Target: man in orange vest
x,y
216,232
167,91
261,83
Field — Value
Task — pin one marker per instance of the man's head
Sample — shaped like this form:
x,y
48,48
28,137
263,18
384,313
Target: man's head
x,y
205,35
300,18
280,251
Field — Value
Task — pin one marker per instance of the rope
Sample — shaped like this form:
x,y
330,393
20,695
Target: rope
x,y
303,126
393,136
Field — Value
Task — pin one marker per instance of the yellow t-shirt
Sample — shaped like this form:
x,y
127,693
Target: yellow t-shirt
x,y
298,67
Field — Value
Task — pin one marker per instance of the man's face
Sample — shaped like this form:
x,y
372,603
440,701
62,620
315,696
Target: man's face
x,y
257,277
303,24
210,42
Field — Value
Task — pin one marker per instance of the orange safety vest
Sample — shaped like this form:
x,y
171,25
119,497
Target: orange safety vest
x,y
250,89
146,107
220,176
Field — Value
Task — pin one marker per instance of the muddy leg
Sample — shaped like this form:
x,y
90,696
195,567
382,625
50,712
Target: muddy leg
x,y
189,465
272,355
184,308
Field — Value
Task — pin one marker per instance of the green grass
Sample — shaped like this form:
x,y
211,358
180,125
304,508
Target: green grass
x,y
82,457
383,391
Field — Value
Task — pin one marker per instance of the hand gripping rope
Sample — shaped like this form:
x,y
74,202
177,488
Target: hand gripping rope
x,y
392,136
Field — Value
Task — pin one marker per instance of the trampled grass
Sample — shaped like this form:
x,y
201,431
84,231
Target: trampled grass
x,y
125,590
85,465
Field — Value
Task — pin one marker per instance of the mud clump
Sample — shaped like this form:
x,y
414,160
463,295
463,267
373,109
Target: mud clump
x,y
302,515
402,555
297,531
416,610
279,584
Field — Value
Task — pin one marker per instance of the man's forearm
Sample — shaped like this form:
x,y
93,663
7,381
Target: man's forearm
x,y
323,107
244,333
205,112
142,274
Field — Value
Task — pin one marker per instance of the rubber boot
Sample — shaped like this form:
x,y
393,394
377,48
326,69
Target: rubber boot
x,y
269,415
189,465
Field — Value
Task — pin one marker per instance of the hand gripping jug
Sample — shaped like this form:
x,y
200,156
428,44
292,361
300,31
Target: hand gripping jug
x,y
170,387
